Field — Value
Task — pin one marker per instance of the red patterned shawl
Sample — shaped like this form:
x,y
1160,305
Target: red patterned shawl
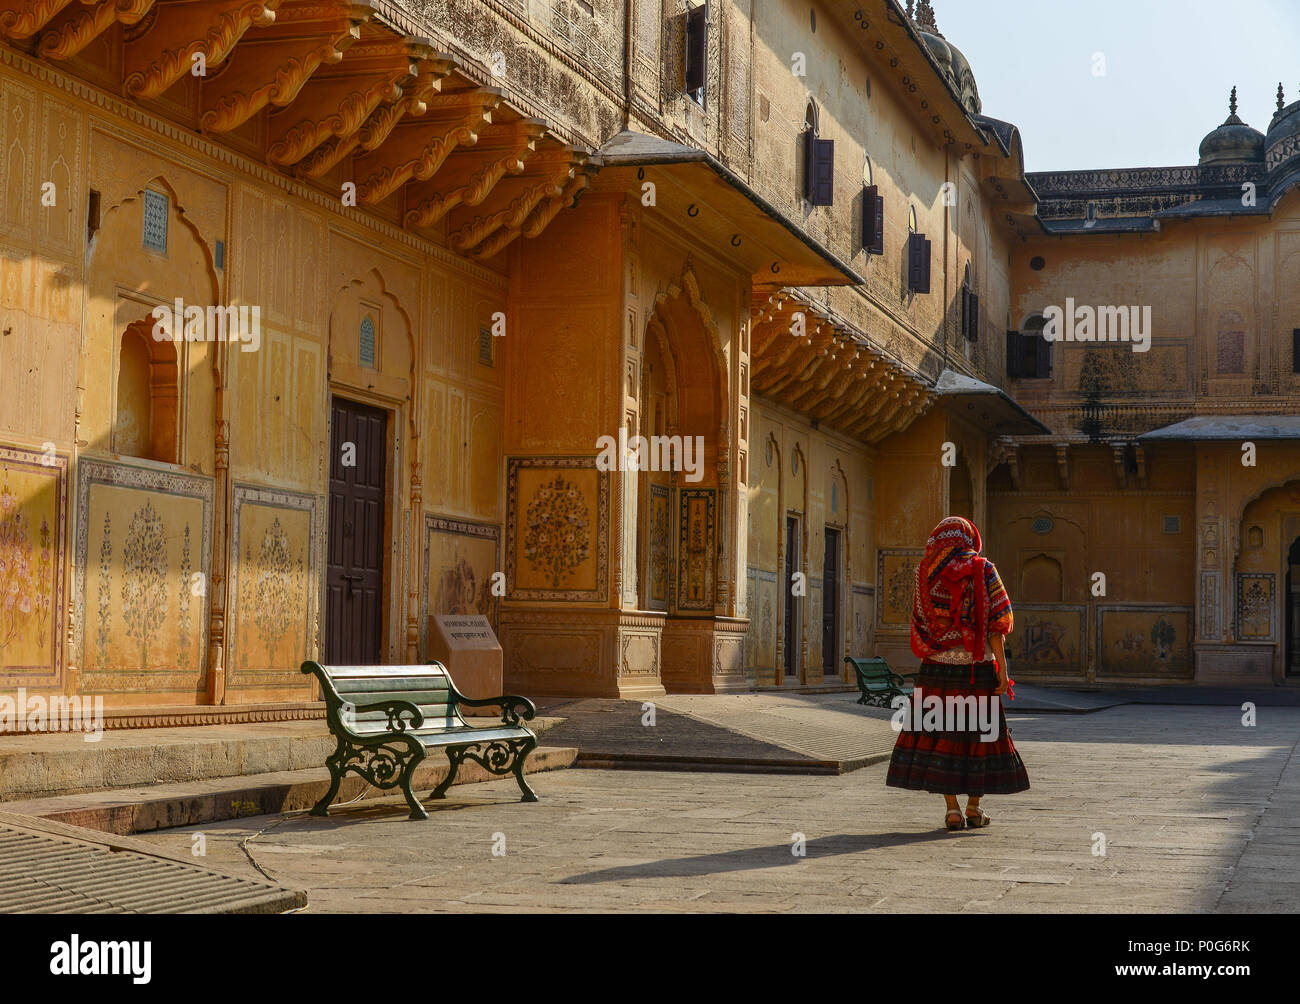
x,y
959,598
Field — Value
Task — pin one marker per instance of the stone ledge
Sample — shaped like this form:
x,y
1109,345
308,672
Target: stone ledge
x,y
160,807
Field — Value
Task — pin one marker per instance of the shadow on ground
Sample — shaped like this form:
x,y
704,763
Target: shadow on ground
x,y
753,858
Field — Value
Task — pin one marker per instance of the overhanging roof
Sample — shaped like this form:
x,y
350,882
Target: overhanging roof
x,y
1231,427
986,405
727,209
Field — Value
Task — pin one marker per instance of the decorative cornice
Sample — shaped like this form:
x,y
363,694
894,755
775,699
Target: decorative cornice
x,y
97,99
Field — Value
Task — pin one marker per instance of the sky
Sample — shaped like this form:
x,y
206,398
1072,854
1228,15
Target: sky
x,y
1166,69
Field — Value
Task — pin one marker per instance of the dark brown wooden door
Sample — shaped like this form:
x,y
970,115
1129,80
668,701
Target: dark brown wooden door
x,y
354,574
831,605
792,563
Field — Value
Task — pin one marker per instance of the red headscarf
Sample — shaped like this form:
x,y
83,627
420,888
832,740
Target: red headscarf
x,y
959,596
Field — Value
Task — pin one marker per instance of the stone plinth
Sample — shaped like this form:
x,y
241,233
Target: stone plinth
x,y
468,647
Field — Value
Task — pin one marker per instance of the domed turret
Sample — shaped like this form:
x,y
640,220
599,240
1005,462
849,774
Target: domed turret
x,y
951,60
1234,142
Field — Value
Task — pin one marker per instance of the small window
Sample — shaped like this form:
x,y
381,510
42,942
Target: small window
x,y
866,171
92,214
697,48
1173,524
911,219
485,345
154,237
1029,354
366,346
1295,351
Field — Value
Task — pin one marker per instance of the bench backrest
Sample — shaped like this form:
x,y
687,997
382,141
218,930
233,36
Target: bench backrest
x,y
875,670
429,688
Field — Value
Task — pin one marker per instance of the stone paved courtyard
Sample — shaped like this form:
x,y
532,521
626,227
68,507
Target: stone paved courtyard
x,y
1198,813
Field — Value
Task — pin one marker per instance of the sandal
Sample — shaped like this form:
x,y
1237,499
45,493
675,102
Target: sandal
x,y
948,820
981,819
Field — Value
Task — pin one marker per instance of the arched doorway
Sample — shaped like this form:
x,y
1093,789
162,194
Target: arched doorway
x,y
1293,609
685,496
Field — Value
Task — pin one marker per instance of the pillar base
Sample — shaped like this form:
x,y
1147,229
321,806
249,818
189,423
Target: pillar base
x,y
705,655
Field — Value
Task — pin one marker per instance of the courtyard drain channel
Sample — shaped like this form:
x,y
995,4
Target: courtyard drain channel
x,y
45,873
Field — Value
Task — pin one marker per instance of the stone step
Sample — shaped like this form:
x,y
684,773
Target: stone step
x,y
141,809
44,765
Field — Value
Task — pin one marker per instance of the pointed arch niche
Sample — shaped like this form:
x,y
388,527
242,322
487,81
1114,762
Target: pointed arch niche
x,y
145,398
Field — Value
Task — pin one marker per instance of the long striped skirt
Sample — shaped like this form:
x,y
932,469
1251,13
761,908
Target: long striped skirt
x,y
951,762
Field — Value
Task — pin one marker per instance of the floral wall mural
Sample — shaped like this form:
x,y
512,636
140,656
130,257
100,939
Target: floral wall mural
x,y
143,537
32,514
557,529
273,576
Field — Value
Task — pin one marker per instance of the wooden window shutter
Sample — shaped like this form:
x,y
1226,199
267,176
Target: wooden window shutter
x,y
1015,352
965,313
808,140
697,48
873,220
1295,351
918,263
1044,348
973,330
822,177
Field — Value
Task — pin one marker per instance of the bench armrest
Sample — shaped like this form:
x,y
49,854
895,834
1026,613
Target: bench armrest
x,y
508,704
394,708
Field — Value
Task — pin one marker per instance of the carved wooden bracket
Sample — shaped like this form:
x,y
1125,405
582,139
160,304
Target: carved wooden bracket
x,y
506,210
157,56
1063,464
273,64
337,100
470,173
76,27
377,127
418,149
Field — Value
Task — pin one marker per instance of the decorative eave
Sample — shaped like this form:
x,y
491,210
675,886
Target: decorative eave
x,y
989,407
1234,428
830,373
892,42
720,208
332,93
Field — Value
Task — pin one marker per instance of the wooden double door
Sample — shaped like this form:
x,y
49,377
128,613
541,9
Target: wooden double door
x,y
354,573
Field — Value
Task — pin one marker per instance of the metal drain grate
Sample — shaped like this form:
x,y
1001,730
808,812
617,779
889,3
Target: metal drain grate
x,y
49,874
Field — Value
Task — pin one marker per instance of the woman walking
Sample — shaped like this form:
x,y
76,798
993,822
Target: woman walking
x,y
960,615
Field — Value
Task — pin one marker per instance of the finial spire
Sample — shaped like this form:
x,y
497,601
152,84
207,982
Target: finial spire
x,y
1280,101
925,16
911,9
1232,101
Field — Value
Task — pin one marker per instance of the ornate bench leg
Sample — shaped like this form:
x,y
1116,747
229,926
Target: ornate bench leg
x,y
321,808
520,757
454,757
408,776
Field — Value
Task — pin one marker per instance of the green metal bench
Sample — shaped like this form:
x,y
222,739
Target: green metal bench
x,y
878,683
387,718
